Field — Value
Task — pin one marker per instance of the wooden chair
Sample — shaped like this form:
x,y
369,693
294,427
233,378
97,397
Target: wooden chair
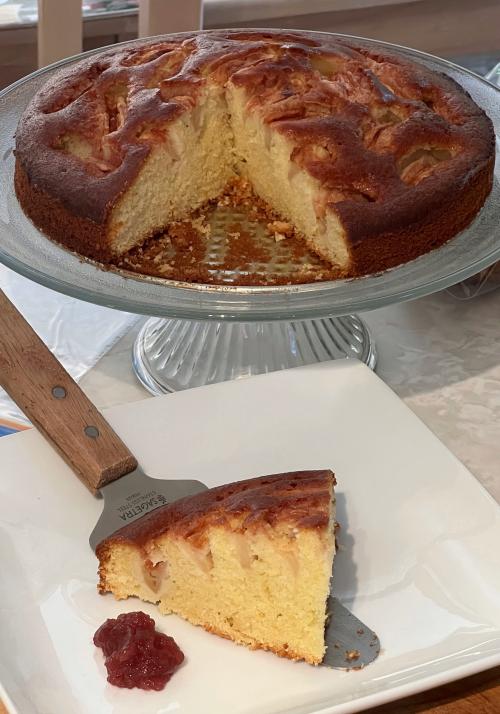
x,y
60,24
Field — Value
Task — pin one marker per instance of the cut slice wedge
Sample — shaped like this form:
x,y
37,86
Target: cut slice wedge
x,y
250,561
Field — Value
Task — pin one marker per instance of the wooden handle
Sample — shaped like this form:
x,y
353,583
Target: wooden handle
x,y
53,401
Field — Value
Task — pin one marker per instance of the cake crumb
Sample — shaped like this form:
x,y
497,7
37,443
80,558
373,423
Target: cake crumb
x,y
352,655
186,249
281,228
200,224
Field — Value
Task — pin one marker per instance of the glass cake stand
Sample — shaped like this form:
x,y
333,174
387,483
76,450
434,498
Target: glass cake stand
x,y
200,334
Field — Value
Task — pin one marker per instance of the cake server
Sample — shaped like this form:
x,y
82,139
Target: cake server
x,y
60,410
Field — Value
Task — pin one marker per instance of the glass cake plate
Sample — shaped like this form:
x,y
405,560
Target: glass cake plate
x,y
204,333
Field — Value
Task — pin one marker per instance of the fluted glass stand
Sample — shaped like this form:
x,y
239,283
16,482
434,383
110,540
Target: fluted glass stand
x,y
169,355
200,334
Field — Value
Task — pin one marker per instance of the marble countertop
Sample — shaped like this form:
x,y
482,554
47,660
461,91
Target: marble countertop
x,y
439,354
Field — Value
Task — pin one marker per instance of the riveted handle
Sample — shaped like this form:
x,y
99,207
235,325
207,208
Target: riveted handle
x,y
56,405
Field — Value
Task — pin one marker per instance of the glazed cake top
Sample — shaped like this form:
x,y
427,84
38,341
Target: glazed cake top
x,y
386,138
300,499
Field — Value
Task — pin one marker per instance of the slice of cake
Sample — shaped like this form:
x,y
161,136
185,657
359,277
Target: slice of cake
x,y
250,561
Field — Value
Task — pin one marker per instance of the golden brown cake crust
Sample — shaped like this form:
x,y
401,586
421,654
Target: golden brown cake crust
x,y
402,152
280,651
80,234
298,498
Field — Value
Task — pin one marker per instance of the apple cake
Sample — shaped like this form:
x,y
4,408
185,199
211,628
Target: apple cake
x,y
250,561
373,159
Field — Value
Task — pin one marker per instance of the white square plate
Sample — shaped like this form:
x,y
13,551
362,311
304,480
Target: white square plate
x,y
419,559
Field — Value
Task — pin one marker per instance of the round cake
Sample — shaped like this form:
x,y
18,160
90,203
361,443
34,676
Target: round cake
x,y
370,159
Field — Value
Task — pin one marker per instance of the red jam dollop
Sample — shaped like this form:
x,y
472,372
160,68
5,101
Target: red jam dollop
x,y
136,654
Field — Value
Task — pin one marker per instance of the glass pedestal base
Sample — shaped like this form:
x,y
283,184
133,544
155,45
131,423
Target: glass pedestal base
x,y
170,354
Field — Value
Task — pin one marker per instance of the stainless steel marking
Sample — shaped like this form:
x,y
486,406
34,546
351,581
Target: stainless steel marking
x,y
132,496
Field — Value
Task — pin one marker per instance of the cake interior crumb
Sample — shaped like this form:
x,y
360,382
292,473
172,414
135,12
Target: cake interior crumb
x,y
235,239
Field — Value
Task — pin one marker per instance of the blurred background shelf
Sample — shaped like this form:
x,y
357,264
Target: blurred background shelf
x,y
460,30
